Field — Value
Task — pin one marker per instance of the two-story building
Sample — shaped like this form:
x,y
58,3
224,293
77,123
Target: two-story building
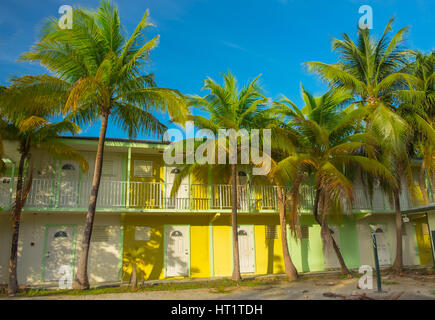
x,y
186,235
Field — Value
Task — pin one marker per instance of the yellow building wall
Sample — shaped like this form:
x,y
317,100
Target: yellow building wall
x,y
268,253
151,265
222,250
269,257
422,234
199,193
147,195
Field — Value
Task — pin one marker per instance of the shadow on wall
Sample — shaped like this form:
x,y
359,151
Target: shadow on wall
x,y
148,257
273,261
104,262
305,246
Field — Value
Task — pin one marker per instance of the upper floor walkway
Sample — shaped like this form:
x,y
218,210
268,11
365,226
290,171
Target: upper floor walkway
x,y
126,196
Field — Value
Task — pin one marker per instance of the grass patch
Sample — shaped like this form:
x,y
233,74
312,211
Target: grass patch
x,y
220,289
216,286
390,282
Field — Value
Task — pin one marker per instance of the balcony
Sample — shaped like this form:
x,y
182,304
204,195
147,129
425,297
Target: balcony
x,y
57,195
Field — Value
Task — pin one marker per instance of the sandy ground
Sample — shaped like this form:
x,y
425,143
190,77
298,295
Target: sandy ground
x,y
409,287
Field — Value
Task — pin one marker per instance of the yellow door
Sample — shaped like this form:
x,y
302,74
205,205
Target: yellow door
x,y
423,242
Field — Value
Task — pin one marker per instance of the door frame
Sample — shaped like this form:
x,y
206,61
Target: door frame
x,y
385,228
253,246
44,250
165,226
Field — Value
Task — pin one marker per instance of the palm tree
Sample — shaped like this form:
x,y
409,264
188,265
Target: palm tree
x,y
227,107
134,258
369,69
327,148
417,107
282,192
100,75
27,122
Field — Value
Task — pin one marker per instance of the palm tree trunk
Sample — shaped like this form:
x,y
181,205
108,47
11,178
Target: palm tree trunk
x,y
16,217
422,183
327,234
398,261
81,280
133,278
236,257
290,269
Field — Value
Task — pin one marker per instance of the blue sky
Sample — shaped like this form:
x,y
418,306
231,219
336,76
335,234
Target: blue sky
x,y
201,38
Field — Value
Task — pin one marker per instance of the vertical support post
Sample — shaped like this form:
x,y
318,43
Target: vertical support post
x,y
190,192
248,190
164,187
210,190
378,270
127,200
211,249
220,196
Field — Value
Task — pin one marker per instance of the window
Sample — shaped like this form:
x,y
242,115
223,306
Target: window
x,y
242,233
101,234
305,232
61,234
271,232
142,233
176,234
68,167
108,168
175,171
143,168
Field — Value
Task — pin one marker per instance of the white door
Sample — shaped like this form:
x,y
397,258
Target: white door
x,y
58,251
246,249
69,186
181,199
177,251
331,260
383,247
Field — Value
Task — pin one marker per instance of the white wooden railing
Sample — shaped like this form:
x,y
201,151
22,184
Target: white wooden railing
x,y
49,193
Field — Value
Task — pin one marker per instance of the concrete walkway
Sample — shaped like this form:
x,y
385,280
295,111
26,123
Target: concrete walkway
x,y
414,287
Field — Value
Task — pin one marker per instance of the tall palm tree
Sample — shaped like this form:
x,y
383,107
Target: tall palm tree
x,y
282,182
100,75
417,107
370,70
28,123
328,147
227,107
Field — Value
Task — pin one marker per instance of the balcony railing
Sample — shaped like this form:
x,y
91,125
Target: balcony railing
x,y
74,194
